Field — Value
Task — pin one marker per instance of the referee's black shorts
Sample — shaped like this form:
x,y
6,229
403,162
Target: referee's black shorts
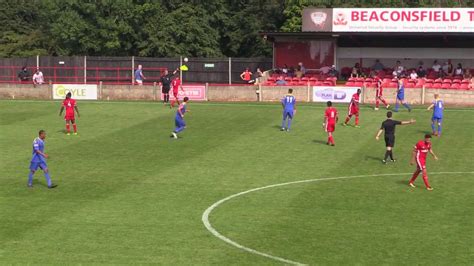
x,y
165,89
390,141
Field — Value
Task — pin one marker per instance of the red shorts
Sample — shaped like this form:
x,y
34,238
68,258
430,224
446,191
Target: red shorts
x,y
421,164
69,117
353,111
330,127
378,93
175,94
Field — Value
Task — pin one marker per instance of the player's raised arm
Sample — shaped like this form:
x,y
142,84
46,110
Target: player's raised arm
x,y
411,121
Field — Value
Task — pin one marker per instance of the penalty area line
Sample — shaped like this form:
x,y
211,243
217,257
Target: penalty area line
x,y
210,209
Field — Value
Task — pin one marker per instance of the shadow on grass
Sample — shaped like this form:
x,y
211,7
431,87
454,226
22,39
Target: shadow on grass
x,y
318,141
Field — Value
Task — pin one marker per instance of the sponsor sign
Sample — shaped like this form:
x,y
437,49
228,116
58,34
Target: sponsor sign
x,y
389,19
193,92
79,91
317,19
333,94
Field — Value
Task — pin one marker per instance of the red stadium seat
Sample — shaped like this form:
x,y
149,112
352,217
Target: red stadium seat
x,y
328,83
438,80
446,85
296,79
456,80
409,85
455,86
350,83
305,78
430,80
313,79
318,83
464,86
287,78
386,80
447,81
436,86
271,79
369,79
302,83
464,81
358,83
392,85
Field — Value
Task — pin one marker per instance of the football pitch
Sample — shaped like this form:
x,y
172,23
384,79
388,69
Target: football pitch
x,y
129,194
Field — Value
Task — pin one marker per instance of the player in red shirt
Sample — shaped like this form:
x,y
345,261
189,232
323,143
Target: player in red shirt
x,y
70,105
354,109
176,83
379,94
330,120
420,151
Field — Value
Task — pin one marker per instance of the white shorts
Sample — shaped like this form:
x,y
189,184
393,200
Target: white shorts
x,y
139,81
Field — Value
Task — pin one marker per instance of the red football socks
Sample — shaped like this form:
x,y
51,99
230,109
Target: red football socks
x,y
75,128
68,128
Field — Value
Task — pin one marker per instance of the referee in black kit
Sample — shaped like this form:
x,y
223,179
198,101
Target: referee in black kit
x,y
165,82
389,127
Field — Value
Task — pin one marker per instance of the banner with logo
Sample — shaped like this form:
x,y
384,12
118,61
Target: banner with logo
x,y
388,19
79,91
193,92
333,94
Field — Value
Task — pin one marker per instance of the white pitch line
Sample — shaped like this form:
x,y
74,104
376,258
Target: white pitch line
x,y
208,211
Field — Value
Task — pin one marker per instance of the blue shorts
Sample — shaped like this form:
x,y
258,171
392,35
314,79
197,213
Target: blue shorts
x,y
35,165
401,96
287,113
437,118
179,122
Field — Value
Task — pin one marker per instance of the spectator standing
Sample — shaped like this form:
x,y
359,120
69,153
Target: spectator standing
x,y
459,71
377,65
302,68
399,69
246,76
333,71
258,75
413,74
23,75
298,72
355,71
421,72
467,74
38,78
285,69
291,72
436,66
139,77
447,68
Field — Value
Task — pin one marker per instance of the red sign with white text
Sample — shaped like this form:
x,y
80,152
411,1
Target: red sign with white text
x,y
403,19
389,19
193,92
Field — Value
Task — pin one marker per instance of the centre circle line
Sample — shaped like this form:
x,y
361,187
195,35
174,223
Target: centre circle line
x,y
210,209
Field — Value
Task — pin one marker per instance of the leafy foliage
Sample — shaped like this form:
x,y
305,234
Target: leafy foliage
x,y
159,28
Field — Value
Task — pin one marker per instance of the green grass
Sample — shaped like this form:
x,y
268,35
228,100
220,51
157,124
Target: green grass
x,y
129,194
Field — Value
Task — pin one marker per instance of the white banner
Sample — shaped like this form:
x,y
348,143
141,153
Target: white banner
x,y
403,20
79,91
333,94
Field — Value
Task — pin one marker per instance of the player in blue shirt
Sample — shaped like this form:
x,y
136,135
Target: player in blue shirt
x,y
289,110
401,97
38,160
179,119
438,108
